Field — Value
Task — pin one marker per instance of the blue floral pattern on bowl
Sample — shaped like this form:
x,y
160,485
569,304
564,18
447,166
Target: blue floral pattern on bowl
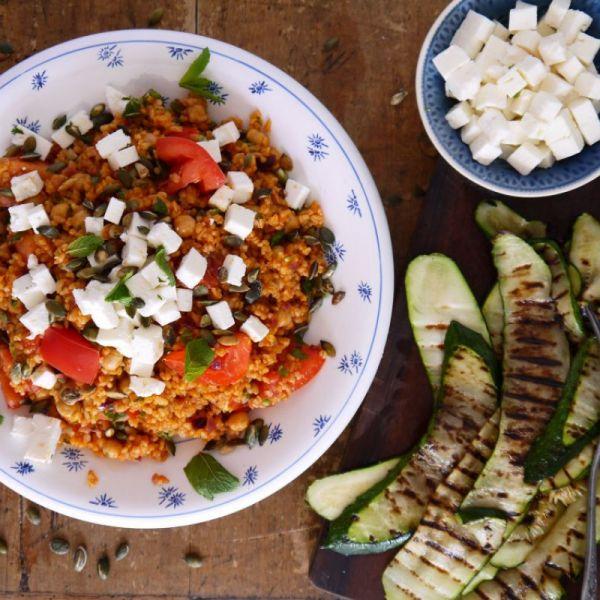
x,y
499,176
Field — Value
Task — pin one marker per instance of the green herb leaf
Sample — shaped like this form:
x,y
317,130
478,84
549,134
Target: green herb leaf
x,y
132,108
85,245
198,357
171,447
193,80
161,260
1,419
209,477
120,293
160,207
16,130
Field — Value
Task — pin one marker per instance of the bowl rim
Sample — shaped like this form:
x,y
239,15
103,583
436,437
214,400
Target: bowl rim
x,y
448,157
386,274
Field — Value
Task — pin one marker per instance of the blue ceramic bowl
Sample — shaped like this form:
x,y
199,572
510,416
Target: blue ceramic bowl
x,y
433,105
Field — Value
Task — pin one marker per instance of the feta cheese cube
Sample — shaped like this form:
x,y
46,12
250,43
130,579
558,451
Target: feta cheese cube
x,y
556,12
492,50
255,329
154,275
585,47
464,83
484,151
115,100
44,439
296,194
559,127
568,146
22,426
32,261
494,126
548,159
139,227
520,103
145,387
185,299
570,69
511,83
193,265
82,121
112,143
220,314
574,22
533,70
239,221
490,96
587,120
212,148
114,211
123,158
42,279
241,185
471,131
522,17
91,302
591,68
534,128
134,252
164,235
516,135
236,269
138,286
153,302
525,158
147,343
553,49
42,145
120,337
459,115
544,29
227,133
513,56
26,186
141,368
94,225
452,58
528,40
62,137
167,313
38,217
26,291
500,31
545,106
44,378
222,198
475,26
37,320
556,86
19,216
588,85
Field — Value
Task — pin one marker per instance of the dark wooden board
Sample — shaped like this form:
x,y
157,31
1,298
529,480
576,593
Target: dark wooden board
x,y
395,411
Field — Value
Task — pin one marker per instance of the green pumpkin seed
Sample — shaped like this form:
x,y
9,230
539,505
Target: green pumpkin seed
x,y
56,309
326,236
205,321
75,264
252,275
102,119
70,396
329,271
122,551
252,432
263,434
3,547
30,156
169,336
298,354
282,176
221,332
208,302
239,289
314,270
57,167
29,144
315,304
16,373
59,122
86,273
210,339
199,291
193,560
326,286
100,209
240,316
311,240
73,130
277,238
338,297
125,178
328,347
97,110
103,567
48,231
254,293
33,514
80,559
40,408
90,332
229,340
7,193
233,241
59,546
262,193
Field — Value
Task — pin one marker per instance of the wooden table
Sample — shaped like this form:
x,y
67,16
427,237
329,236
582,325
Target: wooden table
x,y
354,55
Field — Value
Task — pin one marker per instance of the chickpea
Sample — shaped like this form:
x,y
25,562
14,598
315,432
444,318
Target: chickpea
x,y
185,225
238,421
255,136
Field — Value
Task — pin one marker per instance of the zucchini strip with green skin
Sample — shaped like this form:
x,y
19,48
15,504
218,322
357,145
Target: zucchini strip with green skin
x,y
385,516
549,453
493,313
438,294
536,358
494,217
573,471
585,254
429,566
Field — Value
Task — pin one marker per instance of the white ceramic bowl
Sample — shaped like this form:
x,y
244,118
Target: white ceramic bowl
x,y
73,75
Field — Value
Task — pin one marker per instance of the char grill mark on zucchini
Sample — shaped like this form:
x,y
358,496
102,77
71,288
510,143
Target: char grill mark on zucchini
x,y
585,254
494,217
443,554
572,472
385,516
493,313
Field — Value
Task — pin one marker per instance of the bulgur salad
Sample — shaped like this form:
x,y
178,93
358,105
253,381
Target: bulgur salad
x,y
159,271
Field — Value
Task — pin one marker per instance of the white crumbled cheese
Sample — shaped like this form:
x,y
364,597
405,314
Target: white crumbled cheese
x,y
120,337
94,225
520,104
500,31
192,267
91,302
568,146
533,70
213,149
26,186
553,49
242,186
528,40
26,291
239,221
574,22
557,86
490,96
22,426
484,151
544,29
296,194
44,378
511,83
494,126
167,291
222,198
493,49
513,56
140,368
525,158
534,128
82,121
38,217
153,302
19,216
115,100
522,17
459,115
32,261
147,344
112,143
236,269
146,386
255,329
220,314
114,211
471,131
585,47
588,85
167,313
556,12
164,235
560,127
62,137
587,120
42,278
42,145
570,69
515,137
123,158
37,320
464,83
473,32
154,275
545,106
548,159
185,299
449,60
228,133
138,226
134,252
138,285
43,440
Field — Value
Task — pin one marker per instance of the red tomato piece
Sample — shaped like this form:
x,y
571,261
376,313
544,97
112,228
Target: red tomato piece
x,y
13,398
185,132
175,360
68,351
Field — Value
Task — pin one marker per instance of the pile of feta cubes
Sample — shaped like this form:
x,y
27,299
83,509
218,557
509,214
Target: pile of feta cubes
x,y
528,94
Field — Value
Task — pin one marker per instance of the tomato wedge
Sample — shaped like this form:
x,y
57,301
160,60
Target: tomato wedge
x,y
13,399
292,373
227,368
69,352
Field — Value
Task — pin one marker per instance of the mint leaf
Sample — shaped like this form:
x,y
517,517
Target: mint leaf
x,y
120,293
208,477
198,357
161,260
132,108
85,245
193,80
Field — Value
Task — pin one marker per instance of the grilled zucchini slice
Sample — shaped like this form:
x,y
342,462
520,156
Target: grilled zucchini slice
x,y
493,313
494,217
585,254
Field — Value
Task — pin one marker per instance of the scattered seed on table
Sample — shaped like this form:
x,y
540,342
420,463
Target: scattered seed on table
x,y
3,547
122,551
193,560
33,514
156,17
80,559
398,98
103,567
59,546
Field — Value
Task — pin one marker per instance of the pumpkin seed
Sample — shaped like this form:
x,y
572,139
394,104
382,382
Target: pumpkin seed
x,y
33,514
329,271
103,567
239,289
282,176
48,231
208,302
100,255
252,275
114,395
327,286
30,156
254,293
233,241
75,264
338,297
311,240
125,177
229,340
177,106
97,110
277,238
142,170
56,309
12,150
263,434
59,122
205,321
3,547
7,193
252,432
330,44
73,130
221,332
122,551
169,336
222,274
86,273
240,316
100,209
80,559
29,144
70,396
57,167
328,347
199,291
193,560
59,546
262,193
90,332
326,236
160,207
42,407
121,436
16,372
315,304
102,119
313,271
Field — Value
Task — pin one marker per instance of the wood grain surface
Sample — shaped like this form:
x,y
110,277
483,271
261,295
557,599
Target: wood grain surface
x,y
353,55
